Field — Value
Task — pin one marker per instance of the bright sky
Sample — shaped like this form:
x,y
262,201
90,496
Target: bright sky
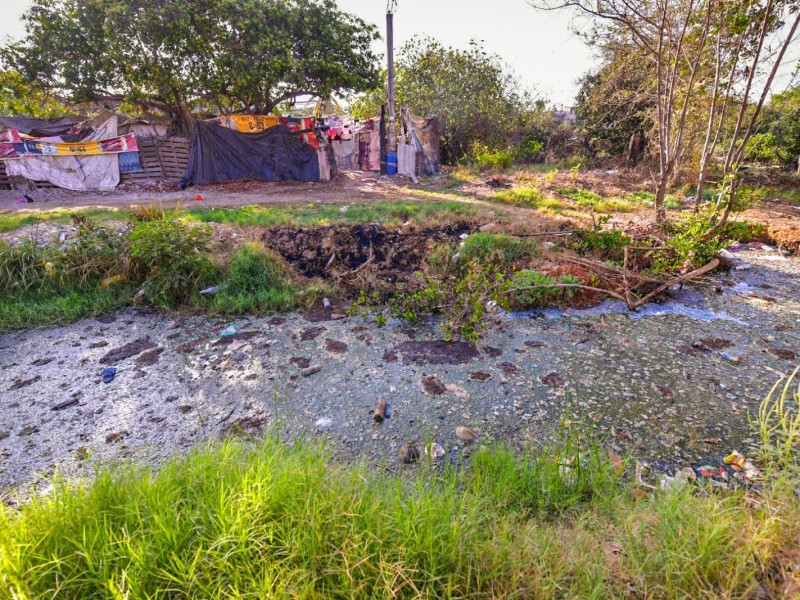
x,y
538,46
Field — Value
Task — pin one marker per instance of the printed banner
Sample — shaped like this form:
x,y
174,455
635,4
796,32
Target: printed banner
x,y
116,145
248,123
10,136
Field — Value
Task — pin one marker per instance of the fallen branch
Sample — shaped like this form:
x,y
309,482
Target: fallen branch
x,y
675,281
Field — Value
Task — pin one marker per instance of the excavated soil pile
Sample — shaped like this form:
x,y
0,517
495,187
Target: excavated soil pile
x,y
338,251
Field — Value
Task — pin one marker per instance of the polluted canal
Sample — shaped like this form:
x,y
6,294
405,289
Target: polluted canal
x,y
674,384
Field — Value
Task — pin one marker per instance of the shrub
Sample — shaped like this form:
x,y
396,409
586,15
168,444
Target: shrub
x,y
496,248
170,258
486,158
540,296
608,243
257,280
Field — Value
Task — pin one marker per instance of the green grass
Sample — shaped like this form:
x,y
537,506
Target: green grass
x,y
11,220
270,521
26,310
309,215
256,281
497,247
528,196
387,213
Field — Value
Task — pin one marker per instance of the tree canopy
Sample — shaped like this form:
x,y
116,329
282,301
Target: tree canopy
x,y
245,55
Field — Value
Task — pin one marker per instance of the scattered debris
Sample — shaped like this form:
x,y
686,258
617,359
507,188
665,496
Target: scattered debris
x,y
108,374
433,385
742,465
65,404
229,331
21,383
409,453
434,450
323,424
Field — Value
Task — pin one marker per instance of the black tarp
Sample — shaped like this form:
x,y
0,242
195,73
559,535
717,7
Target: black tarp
x,y
39,127
220,154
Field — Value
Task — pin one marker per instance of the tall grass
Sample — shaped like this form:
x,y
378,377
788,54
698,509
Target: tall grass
x,y
277,521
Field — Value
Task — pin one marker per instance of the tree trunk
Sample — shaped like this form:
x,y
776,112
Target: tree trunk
x,y
701,184
661,193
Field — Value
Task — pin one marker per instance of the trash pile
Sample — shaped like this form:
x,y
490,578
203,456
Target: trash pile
x,y
735,471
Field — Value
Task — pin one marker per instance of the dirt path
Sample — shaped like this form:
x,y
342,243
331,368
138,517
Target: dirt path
x,y
658,386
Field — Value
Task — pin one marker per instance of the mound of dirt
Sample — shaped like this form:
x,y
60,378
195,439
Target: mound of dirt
x,y
340,251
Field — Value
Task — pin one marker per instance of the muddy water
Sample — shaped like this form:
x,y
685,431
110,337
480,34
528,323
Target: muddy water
x,y
656,385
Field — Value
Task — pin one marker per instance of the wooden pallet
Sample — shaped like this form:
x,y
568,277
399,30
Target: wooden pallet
x,y
162,158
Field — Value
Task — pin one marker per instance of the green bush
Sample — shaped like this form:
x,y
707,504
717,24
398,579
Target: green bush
x,y
608,243
486,158
496,248
541,296
257,280
170,258
529,150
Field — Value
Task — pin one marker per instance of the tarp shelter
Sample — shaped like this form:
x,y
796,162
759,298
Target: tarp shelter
x,y
220,154
39,127
61,165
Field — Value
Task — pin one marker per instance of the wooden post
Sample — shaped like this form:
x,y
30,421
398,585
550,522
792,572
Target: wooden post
x,y
392,146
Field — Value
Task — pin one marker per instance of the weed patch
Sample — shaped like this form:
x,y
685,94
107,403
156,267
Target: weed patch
x,y
269,520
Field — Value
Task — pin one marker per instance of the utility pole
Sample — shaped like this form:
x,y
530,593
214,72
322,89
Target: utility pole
x,y
390,8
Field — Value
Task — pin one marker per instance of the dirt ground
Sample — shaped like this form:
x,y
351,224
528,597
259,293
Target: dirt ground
x,y
349,187
673,384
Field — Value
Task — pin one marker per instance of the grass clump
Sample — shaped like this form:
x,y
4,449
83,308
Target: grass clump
x,y
528,196
497,248
256,281
276,521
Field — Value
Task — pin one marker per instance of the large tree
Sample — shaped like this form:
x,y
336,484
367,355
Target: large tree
x,y
476,98
245,55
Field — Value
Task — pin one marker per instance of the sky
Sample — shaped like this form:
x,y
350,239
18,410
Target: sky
x,y
538,46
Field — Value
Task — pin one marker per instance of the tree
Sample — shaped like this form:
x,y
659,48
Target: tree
x,y
18,98
236,55
705,55
475,97
616,102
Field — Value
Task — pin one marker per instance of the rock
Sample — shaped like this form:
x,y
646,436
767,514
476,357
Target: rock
x,y
380,411
310,370
409,453
488,227
323,424
454,389
553,379
465,434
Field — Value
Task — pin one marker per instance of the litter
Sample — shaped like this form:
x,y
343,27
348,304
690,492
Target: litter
x,y
229,331
198,197
326,303
742,465
108,374
323,424
213,289
742,267
434,450
709,471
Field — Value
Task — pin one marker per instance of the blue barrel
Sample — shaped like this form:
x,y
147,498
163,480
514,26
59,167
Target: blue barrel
x,y
391,163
